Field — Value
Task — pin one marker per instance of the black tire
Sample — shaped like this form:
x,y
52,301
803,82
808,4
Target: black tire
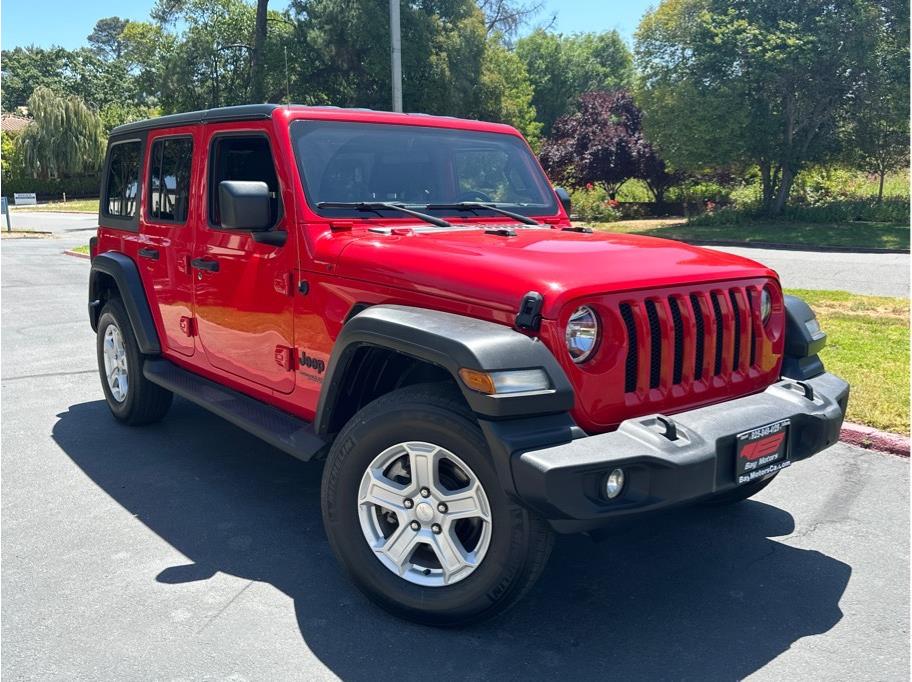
x,y
520,541
739,494
145,402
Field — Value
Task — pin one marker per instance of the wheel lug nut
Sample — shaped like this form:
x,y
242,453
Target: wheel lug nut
x,y
442,508
414,525
425,492
408,503
436,529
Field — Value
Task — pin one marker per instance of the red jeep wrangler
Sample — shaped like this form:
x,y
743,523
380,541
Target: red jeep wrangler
x,y
405,296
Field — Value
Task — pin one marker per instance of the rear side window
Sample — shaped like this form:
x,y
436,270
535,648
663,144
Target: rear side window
x,y
169,179
122,191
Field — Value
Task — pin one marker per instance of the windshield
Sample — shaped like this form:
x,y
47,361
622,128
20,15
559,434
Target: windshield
x,y
344,162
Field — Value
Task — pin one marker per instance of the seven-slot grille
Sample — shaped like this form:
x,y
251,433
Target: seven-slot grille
x,y
683,338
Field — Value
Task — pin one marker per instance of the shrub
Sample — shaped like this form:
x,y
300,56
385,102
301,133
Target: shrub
x,y
591,204
891,211
75,188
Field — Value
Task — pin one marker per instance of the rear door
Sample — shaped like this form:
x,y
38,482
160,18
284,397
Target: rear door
x,y
243,289
169,207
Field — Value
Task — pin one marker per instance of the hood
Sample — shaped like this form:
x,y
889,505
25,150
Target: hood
x,y
468,264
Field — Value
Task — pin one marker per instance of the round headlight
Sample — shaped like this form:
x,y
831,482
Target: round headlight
x,y
582,333
766,305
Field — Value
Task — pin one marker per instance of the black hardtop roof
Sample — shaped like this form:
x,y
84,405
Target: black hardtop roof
x,y
243,112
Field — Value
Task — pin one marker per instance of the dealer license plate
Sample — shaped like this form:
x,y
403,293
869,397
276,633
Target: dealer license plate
x,y
762,451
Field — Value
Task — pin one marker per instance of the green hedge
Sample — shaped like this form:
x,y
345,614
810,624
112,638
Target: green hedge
x,y
75,188
891,211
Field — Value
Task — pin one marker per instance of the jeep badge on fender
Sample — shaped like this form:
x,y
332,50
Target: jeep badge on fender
x,y
487,373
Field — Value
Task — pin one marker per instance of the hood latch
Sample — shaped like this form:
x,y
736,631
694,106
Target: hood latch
x,y
529,315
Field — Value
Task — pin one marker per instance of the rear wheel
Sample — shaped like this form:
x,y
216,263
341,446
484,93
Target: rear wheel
x,y
132,398
416,515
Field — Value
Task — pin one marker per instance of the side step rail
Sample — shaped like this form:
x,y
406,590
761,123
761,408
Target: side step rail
x,y
280,429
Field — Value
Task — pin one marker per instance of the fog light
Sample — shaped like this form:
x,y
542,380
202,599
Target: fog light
x,y
614,484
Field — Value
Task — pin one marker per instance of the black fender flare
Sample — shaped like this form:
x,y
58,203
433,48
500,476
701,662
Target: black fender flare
x,y
125,274
451,342
802,343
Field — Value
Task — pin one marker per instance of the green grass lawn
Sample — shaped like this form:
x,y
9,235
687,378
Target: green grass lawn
x,y
868,346
74,205
81,249
865,235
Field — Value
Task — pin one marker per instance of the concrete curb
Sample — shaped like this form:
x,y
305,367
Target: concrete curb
x,y
791,247
76,254
872,439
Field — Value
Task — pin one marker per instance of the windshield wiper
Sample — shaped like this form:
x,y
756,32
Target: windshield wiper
x,y
381,205
473,205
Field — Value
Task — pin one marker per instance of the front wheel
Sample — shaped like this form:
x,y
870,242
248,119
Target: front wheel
x,y
415,513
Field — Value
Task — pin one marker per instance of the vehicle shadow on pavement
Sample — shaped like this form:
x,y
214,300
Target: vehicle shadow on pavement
x,y
699,593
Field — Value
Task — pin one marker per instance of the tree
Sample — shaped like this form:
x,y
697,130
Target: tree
x,y
506,93
730,82
655,173
879,120
507,16
258,53
450,65
208,61
105,38
561,68
26,68
599,144
11,162
65,137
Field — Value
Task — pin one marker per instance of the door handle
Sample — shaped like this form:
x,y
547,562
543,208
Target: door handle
x,y
205,264
151,254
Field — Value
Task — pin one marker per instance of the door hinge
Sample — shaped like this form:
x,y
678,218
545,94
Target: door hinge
x,y
188,325
282,283
285,357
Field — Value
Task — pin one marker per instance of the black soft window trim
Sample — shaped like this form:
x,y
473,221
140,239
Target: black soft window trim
x,y
148,212
210,170
105,219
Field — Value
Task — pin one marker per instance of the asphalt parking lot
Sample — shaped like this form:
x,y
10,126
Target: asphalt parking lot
x,y
190,550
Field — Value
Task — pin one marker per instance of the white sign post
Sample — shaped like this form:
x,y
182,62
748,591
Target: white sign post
x,y
24,198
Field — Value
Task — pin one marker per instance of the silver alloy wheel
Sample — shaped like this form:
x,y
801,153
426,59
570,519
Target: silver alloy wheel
x,y
425,514
115,362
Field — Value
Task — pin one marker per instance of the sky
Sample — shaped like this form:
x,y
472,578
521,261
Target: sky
x,y
67,23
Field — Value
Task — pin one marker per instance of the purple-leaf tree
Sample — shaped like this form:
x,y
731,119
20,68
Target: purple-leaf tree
x,y
599,144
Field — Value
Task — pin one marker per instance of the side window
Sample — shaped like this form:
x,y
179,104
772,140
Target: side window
x,y
169,179
236,157
123,180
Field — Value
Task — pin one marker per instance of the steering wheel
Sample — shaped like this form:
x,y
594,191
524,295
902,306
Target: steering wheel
x,y
473,195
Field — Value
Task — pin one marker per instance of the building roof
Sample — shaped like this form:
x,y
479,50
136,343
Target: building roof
x,y
11,123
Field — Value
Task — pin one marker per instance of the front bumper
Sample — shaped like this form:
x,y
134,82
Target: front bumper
x,y
563,482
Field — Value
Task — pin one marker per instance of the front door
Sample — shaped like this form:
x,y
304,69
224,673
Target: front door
x,y
243,289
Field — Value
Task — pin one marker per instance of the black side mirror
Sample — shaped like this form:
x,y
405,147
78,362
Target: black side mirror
x,y
245,205
564,197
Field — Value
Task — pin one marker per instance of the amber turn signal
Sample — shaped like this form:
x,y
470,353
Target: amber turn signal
x,y
478,381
